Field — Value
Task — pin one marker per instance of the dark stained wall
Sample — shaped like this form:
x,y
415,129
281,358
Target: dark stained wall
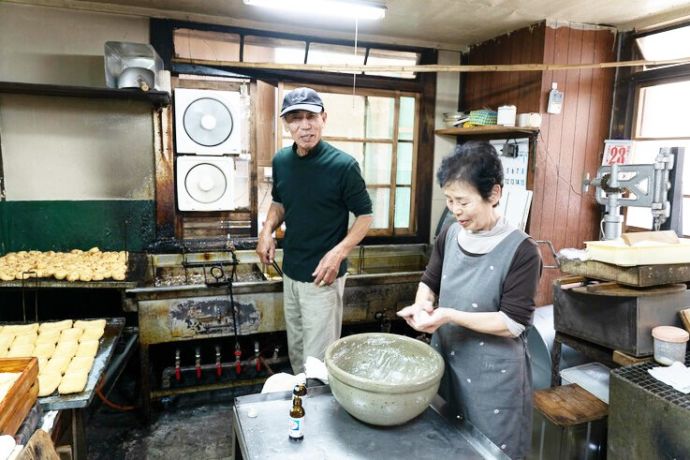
x,y
570,144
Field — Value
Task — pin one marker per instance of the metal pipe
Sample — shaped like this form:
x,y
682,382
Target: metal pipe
x,y
117,360
168,372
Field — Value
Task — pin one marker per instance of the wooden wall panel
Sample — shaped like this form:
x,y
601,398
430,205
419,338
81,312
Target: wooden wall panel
x,y
570,143
574,139
521,89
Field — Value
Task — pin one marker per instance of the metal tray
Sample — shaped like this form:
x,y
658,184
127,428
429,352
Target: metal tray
x,y
136,268
113,330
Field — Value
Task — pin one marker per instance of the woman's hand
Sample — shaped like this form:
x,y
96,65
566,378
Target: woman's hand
x,y
429,322
417,315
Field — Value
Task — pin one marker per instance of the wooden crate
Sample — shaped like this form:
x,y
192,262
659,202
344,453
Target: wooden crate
x,y
22,396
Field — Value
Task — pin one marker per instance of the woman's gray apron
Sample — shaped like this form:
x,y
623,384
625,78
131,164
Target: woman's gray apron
x,y
487,378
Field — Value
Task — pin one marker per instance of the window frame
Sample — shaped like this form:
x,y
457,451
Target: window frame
x,y
645,79
391,230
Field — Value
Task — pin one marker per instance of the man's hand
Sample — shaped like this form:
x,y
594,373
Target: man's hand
x,y
266,248
329,265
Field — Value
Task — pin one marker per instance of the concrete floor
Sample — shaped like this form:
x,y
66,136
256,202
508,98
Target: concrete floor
x,y
195,426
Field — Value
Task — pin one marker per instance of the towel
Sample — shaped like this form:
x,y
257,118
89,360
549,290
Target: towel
x,y
315,369
676,375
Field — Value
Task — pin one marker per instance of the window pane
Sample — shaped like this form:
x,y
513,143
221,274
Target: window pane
x,y
377,163
380,200
404,173
642,153
645,152
639,217
406,121
663,110
389,57
266,49
355,149
345,115
380,117
321,53
402,207
672,44
200,44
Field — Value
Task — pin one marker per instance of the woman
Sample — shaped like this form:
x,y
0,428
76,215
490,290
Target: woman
x,y
484,272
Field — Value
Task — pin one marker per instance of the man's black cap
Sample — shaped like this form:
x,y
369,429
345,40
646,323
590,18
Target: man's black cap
x,y
302,99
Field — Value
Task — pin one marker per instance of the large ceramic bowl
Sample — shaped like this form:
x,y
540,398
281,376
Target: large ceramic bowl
x,y
383,379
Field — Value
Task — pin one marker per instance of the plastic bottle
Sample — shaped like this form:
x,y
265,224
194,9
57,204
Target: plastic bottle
x,y
296,430
555,99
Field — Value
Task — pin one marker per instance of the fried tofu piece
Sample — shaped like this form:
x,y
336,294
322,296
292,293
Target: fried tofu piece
x,y
48,383
87,348
74,382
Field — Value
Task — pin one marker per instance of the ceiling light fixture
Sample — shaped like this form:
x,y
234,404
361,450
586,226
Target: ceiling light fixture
x,y
338,8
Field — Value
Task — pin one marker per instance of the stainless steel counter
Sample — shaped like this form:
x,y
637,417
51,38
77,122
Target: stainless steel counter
x,y
331,433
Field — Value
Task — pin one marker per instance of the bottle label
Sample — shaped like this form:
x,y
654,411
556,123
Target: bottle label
x,y
296,427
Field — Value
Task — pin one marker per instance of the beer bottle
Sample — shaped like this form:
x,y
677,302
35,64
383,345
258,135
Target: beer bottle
x,y
299,390
296,419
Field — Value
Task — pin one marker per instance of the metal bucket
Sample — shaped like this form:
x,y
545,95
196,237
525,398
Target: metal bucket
x,y
540,340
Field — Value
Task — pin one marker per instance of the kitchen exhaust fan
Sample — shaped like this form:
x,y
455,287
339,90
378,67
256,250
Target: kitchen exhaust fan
x,y
132,65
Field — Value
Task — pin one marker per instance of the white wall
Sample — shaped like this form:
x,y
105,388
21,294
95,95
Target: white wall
x,y
61,47
447,97
56,148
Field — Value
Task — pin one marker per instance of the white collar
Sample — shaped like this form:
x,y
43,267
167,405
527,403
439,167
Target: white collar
x,y
485,241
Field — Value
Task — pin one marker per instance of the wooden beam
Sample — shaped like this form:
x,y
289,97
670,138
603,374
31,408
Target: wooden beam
x,y
427,67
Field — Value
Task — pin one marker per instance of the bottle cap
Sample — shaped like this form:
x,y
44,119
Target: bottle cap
x,y
554,85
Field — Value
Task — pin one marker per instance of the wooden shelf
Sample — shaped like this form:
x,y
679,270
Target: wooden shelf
x,y
486,130
157,98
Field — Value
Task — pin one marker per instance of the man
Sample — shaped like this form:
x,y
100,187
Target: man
x,y
315,187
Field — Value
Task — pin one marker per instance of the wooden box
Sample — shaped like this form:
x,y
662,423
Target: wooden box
x,y
20,399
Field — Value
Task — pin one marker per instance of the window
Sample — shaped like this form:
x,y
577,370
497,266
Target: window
x,y
201,44
392,58
378,129
223,46
661,122
665,45
267,49
321,53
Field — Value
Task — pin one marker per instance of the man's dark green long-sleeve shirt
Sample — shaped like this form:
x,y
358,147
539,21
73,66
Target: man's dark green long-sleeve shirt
x,y
317,191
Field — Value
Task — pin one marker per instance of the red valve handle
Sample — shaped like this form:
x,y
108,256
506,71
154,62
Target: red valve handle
x,y
178,374
238,363
198,372
219,369
258,364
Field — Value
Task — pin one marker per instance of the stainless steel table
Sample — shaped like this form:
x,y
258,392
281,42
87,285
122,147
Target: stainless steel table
x,y
78,402
331,433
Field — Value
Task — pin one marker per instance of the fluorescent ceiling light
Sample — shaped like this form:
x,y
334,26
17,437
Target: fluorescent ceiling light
x,y
338,8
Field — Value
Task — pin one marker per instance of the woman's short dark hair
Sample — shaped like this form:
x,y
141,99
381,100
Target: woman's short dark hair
x,y
475,163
